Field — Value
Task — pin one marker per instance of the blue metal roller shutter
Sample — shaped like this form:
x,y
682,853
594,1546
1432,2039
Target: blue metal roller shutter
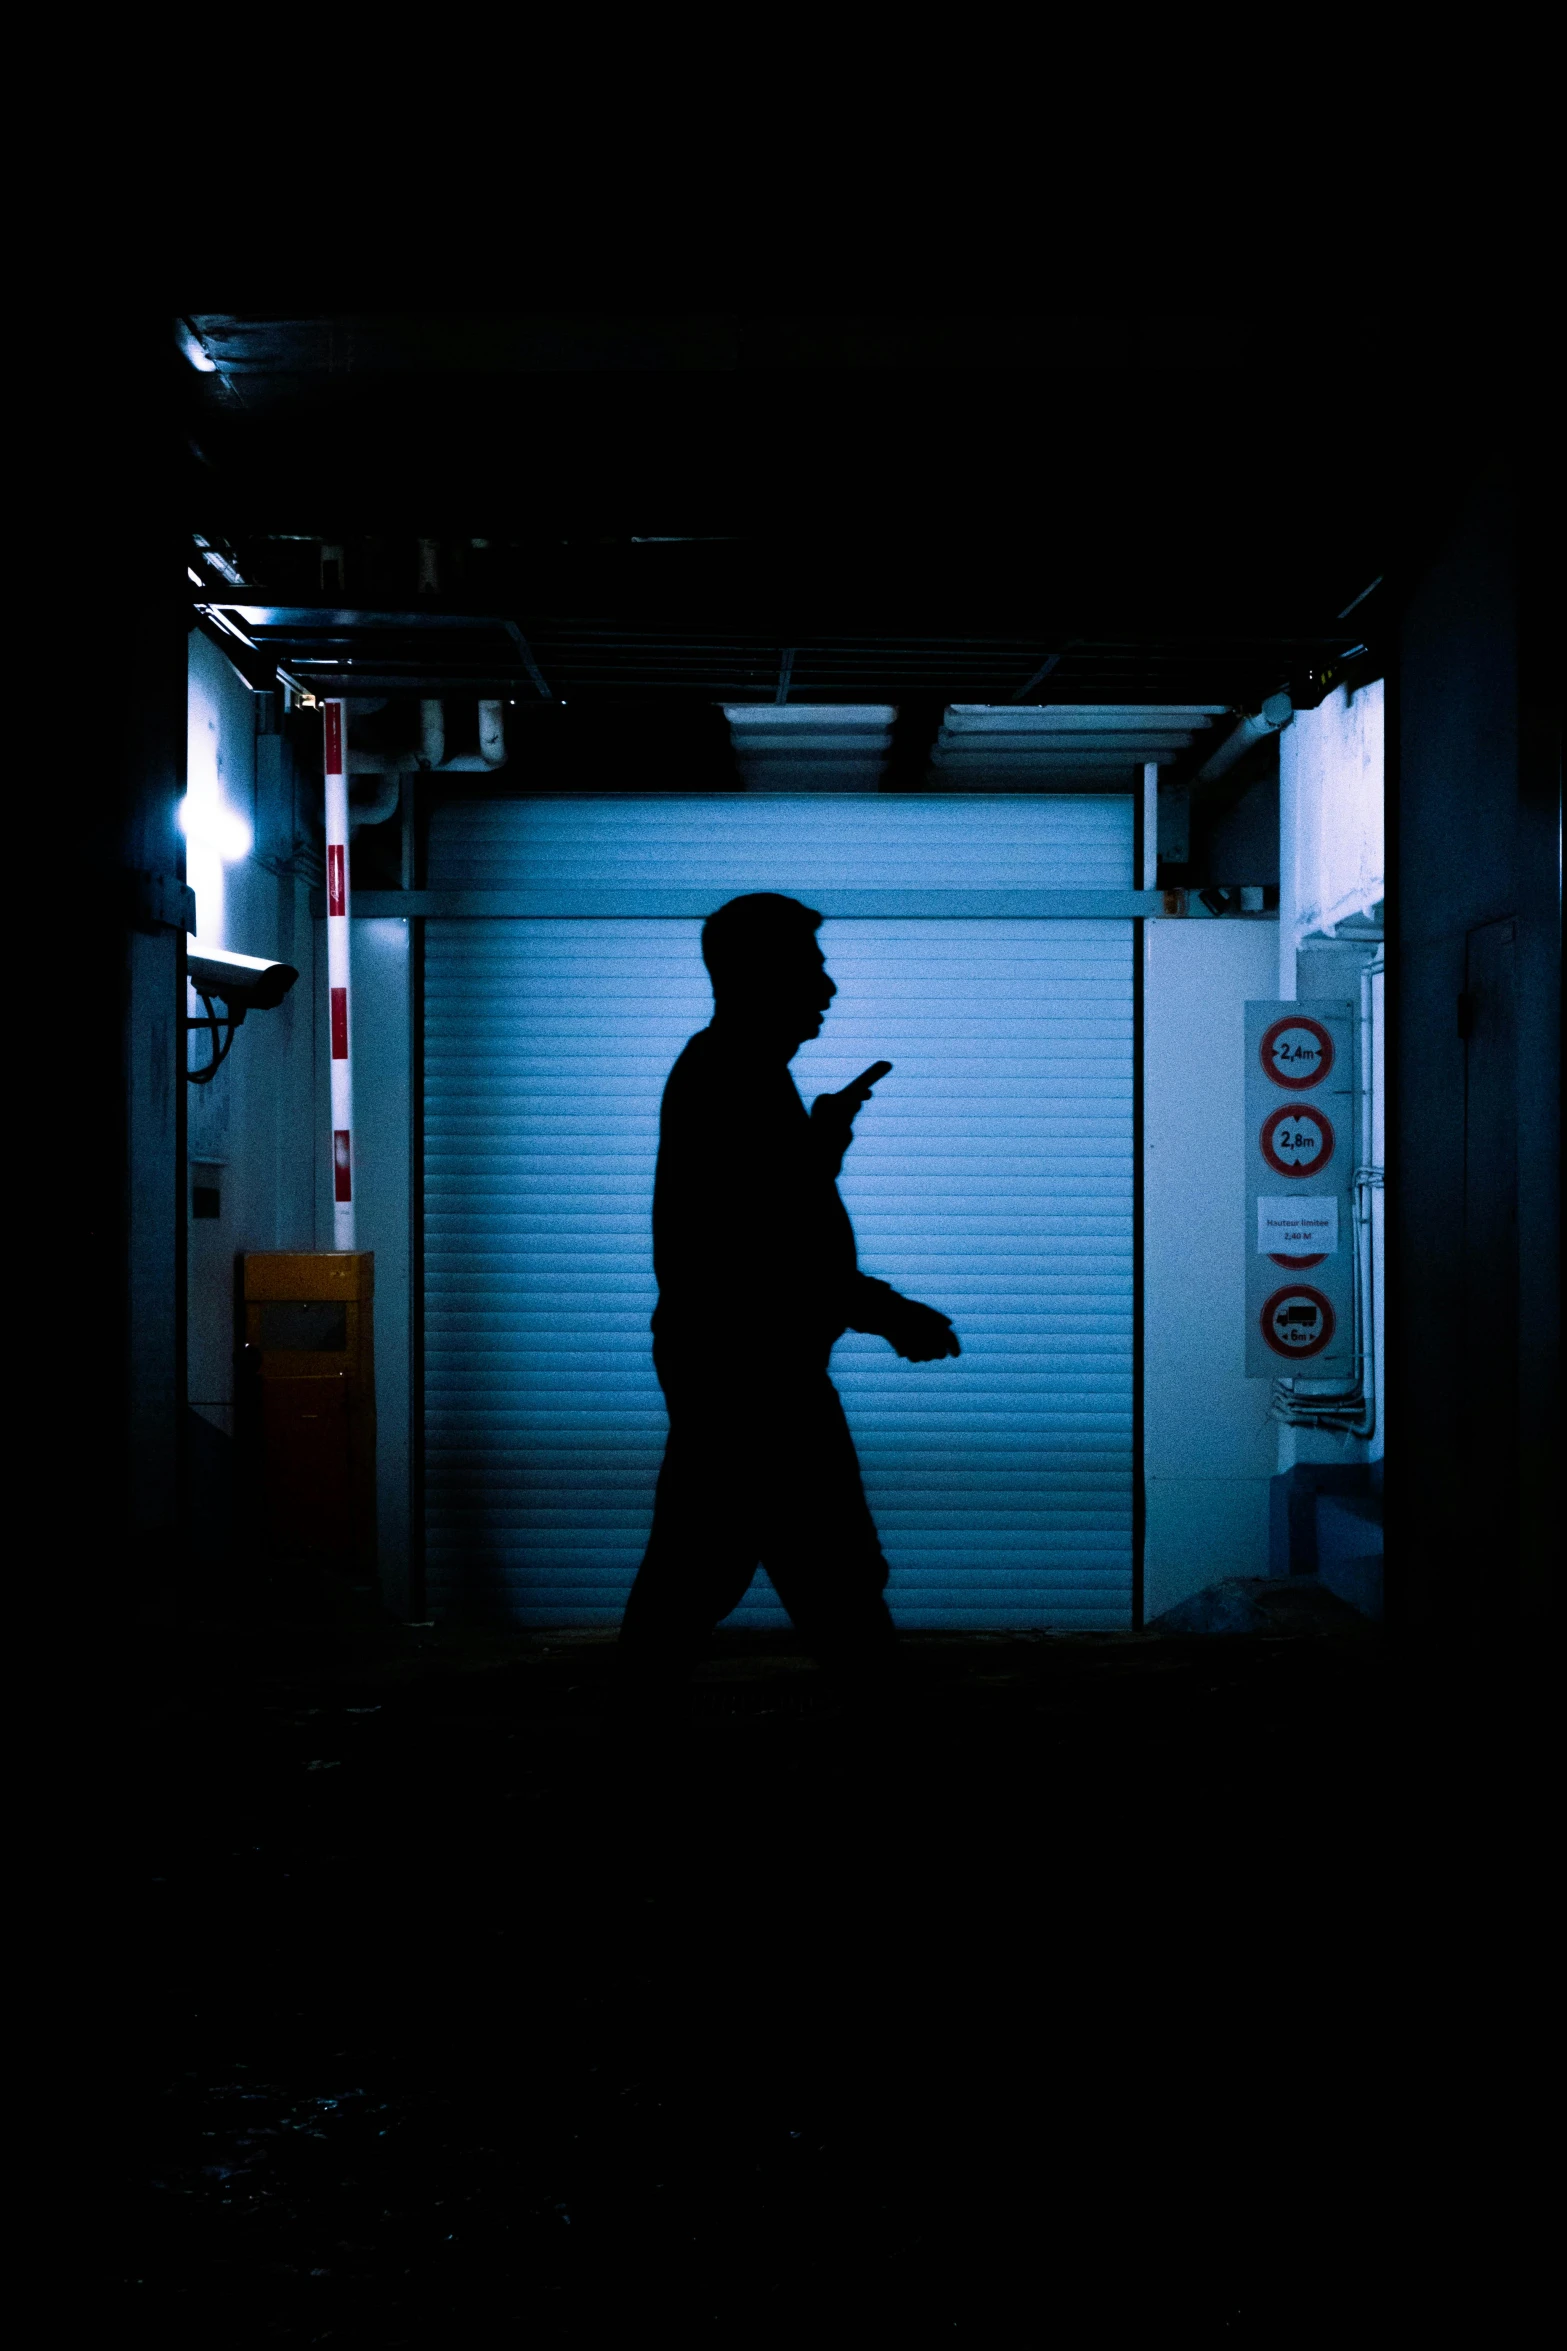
x,y
992,1174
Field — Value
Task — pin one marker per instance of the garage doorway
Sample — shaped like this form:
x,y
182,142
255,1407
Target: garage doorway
x,y
993,1175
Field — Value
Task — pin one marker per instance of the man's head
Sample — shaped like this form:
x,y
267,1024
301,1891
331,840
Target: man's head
x,y
766,967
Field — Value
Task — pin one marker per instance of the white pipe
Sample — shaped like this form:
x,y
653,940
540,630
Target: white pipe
x,y
1368,1181
1275,713
339,1035
377,809
430,758
1150,880
1379,1192
492,741
1289,867
1366,970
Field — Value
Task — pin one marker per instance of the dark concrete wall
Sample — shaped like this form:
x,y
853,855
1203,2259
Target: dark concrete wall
x,y
1474,966
123,1219
1245,841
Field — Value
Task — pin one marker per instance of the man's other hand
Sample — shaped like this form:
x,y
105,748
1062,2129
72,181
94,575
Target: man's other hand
x,y
920,1334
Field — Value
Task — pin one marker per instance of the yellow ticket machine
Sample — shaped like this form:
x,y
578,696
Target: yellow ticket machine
x,y
310,1382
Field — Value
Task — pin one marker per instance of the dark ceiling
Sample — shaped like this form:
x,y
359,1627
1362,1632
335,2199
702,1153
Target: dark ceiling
x,y
1160,506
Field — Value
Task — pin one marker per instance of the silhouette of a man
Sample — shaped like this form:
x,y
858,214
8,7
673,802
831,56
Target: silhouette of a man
x,y
755,1259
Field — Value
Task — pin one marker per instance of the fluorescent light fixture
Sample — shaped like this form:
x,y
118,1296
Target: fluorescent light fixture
x,y
195,578
194,349
797,718
219,563
220,620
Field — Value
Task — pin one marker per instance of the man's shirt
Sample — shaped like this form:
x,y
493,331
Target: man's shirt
x,y
752,1246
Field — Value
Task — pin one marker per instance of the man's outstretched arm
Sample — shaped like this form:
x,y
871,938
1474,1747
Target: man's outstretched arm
x,y
920,1334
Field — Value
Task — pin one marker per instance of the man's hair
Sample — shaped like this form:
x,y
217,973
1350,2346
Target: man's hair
x,y
745,941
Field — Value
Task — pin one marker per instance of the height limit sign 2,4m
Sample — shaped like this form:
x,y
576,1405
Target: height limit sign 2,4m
x,y
1299,1233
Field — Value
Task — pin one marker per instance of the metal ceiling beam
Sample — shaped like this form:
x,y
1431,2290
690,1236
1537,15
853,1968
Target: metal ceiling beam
x,y
448,646
528,662
1041,673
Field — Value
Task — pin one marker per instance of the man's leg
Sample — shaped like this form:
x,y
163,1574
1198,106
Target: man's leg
x,y
818,1539
701,1552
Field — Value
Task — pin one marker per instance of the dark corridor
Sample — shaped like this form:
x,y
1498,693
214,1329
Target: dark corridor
x,y
1173,1985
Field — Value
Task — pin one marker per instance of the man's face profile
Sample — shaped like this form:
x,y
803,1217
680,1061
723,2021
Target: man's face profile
x,y
787,994
807,991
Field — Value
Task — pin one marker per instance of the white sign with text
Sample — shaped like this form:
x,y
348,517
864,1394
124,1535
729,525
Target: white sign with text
x,y
1297,1228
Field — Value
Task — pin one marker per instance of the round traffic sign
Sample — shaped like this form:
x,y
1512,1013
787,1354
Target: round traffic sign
x,y
1296,1051
1297,1321
1296,1264
1297,1139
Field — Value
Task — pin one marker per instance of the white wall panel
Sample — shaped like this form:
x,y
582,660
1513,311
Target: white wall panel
x,y
1209,1447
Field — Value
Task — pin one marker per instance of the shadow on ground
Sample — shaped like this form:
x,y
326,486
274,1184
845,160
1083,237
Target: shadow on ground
x,y
1076,1986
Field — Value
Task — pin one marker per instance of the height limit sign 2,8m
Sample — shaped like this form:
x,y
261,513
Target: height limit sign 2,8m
x,y
1299,1232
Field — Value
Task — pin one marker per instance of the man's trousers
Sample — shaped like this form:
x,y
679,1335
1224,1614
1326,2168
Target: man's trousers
x,y
759,1470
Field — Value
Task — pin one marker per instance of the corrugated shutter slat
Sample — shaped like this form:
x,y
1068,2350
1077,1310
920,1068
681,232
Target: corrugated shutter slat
x,y
992,1174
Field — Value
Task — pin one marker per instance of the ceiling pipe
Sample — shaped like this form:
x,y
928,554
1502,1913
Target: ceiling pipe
x,y
491,753
377,807
430,758
1275,714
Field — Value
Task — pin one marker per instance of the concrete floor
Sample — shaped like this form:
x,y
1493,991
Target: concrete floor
x,y
1086,1988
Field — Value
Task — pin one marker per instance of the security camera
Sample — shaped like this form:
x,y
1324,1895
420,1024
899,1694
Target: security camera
x,y
245,983
241,984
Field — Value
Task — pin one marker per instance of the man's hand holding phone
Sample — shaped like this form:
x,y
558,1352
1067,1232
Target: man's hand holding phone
x,y
833,1115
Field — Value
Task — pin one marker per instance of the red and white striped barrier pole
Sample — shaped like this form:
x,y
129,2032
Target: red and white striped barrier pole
x,y
336,763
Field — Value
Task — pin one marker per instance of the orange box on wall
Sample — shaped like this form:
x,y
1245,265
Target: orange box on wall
x,y
309,1354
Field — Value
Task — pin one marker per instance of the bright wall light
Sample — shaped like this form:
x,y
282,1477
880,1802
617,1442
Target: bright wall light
x,y
216,834
214,827
194,349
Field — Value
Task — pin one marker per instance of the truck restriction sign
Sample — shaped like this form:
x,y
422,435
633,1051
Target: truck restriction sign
x,y
1297,1052
1296,1141
1298,1321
